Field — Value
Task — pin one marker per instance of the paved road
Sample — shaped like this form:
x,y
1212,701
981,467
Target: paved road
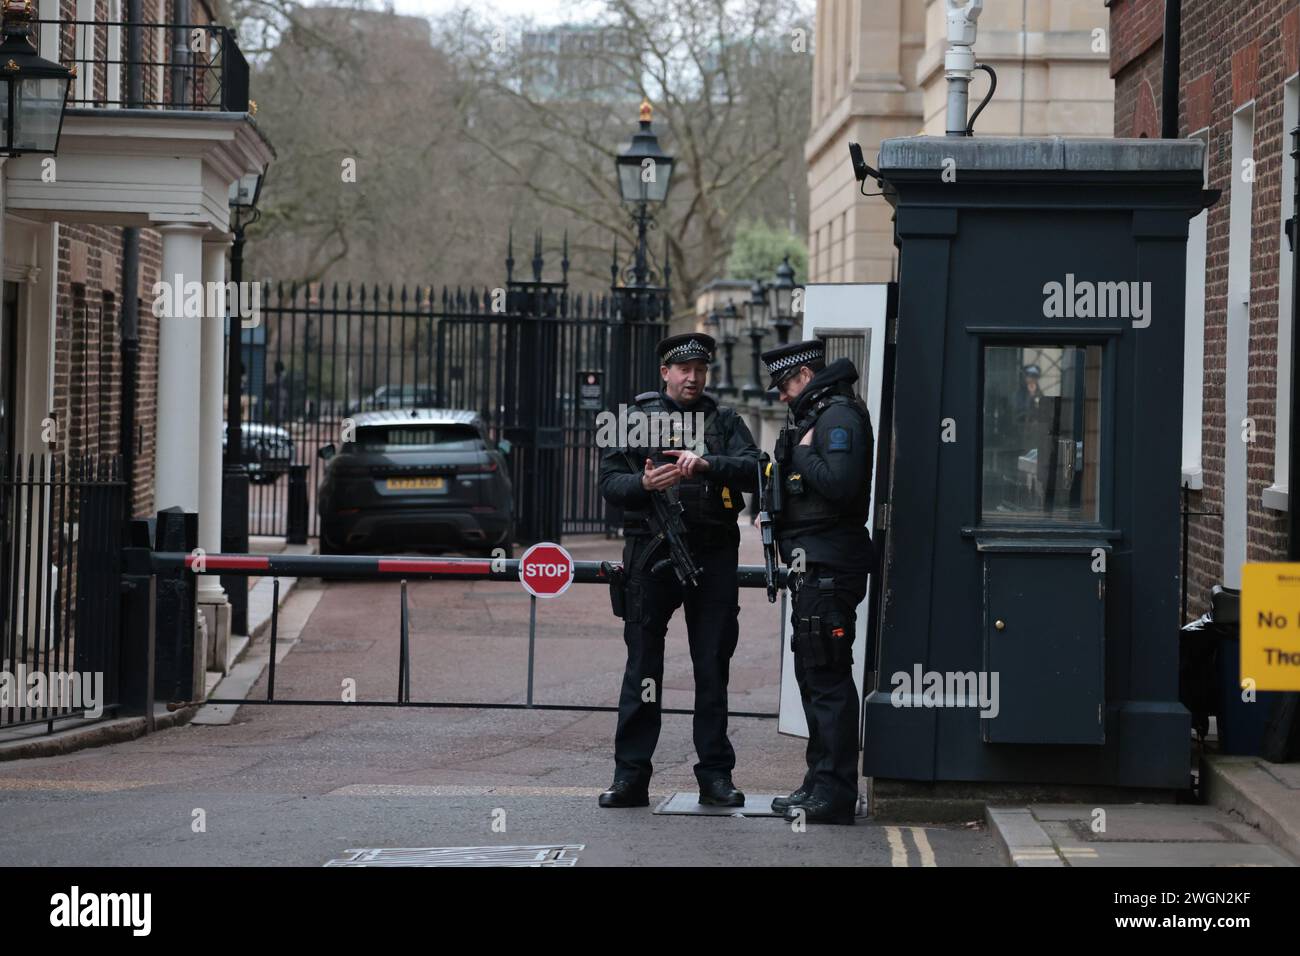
x,y
302,785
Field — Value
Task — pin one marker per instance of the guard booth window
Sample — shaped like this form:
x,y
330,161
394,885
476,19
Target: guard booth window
x,y
1041,433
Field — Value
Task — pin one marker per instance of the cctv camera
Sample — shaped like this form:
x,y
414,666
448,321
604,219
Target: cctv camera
x,y
860,168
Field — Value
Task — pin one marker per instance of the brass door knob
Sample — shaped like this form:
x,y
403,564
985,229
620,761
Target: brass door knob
x,y
1000,624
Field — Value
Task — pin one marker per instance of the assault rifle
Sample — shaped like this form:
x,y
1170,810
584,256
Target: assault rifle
x,y
769,505
665,521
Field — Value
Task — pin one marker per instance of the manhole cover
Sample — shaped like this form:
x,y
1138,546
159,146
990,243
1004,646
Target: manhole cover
x,y
552,855
687,802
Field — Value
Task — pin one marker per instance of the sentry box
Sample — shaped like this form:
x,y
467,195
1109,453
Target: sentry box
x,y
1029,630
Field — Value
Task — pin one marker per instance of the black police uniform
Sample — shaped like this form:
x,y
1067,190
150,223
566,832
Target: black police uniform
x,y
712,501
827,495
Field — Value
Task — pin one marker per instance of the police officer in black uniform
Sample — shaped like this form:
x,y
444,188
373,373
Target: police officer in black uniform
x,y
825,454
708,480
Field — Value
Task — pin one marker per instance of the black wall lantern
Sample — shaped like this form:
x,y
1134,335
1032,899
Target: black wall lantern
x,y
782,304
33,91
644,169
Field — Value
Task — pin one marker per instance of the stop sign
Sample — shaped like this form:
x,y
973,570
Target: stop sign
x,y
546,570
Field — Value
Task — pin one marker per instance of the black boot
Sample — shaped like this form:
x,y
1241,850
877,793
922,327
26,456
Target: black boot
x,y
625,793
796,799
819,810
721,792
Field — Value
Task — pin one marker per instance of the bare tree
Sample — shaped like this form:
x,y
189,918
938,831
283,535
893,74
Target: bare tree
x,y
461,132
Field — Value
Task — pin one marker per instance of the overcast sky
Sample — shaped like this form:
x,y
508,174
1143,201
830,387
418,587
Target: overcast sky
x,y
545,12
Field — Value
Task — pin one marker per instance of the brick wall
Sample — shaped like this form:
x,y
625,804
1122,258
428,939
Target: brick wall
x,y
1233,51
88,357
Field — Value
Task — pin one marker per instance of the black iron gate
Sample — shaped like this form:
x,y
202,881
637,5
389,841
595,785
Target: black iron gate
x,y
60,579
537,361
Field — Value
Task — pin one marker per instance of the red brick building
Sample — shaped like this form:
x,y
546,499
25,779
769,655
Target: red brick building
x,y
1237,76
157,128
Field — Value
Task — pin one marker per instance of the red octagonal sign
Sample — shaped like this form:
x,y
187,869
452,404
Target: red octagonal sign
x,y
546,570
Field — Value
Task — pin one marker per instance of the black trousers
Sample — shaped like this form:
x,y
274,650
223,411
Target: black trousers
x,y
712,625
823,620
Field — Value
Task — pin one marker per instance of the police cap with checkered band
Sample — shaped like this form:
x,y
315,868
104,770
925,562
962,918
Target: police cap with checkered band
x,y
686,348
785,361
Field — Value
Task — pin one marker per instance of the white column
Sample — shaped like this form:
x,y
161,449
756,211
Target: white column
x,y
211,409
176,456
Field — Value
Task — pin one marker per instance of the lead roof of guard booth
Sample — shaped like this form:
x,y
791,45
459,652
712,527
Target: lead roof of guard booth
x,y
1045,154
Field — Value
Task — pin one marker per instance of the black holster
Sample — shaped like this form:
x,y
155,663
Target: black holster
x,y
823,638
617,587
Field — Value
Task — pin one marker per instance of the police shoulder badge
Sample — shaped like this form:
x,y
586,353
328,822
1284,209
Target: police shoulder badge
x,y
840,439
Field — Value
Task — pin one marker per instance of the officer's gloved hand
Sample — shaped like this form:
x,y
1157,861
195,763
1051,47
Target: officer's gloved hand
x,y
661,477
688,463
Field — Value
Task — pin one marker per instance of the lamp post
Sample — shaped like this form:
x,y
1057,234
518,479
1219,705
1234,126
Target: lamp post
x,y
644,173
757,315
782,300
712,325
33,90
244,194
728,320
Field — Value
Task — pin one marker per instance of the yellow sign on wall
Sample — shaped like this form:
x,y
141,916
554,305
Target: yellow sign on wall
x,y
1270,625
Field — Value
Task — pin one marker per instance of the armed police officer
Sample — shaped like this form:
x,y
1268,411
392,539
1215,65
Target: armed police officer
x,y
696,489
823,461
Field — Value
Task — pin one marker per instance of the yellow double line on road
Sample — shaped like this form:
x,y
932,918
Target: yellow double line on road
x,y
898,846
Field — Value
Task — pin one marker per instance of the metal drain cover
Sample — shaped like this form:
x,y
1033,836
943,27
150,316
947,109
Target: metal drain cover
x,y
550,855
687,802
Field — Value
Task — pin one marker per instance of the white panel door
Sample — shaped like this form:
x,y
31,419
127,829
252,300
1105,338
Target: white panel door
x,y
831,309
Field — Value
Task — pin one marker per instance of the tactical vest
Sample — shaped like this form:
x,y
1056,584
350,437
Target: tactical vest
x,y
803,509
707,502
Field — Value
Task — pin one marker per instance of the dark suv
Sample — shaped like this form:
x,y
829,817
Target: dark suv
x,y
421,479
268,450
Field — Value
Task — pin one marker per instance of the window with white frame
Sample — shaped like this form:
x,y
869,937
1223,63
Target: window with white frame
x,y
84,47
1194,338
113,75
1238,430
1275,496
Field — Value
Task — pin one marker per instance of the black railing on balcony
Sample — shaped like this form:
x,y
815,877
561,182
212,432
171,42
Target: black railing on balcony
x,y
175,66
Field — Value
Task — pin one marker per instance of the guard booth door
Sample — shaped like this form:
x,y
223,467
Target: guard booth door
x,y
1042,559
1044,614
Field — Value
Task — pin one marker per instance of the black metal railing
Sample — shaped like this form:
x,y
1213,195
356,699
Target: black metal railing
x,y
180,566
161,66
60,565
321,354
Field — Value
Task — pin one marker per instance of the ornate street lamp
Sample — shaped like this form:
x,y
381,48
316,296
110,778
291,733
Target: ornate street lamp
x,y
644,173
782,300
244,194
712,325
33,91
729,322
757,315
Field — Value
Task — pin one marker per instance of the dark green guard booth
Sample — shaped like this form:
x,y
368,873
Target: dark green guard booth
x,y
1033,521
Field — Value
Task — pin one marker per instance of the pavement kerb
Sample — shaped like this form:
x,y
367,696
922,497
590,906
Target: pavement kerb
x,y
122,729
115,731
1243,785
1024,842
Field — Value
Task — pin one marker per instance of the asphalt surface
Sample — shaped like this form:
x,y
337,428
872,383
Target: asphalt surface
x,y
302,785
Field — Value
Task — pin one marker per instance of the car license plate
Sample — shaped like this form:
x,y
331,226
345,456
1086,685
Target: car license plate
x,y
416,484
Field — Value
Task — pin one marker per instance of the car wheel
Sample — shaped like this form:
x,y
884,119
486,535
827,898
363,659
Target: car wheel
x,y
326,547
